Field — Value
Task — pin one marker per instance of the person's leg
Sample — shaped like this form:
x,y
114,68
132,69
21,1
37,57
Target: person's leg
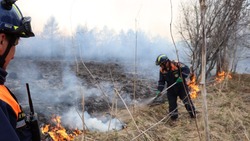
x,y
172,100
185,97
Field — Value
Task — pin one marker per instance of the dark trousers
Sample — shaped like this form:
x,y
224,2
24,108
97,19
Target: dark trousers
x,y
173,93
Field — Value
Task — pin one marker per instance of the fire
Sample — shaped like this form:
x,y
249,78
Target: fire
x,y
194,88
58,132
222,76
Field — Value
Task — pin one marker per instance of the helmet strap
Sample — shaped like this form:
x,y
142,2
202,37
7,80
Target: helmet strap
x,y
169,65
2,57
164,66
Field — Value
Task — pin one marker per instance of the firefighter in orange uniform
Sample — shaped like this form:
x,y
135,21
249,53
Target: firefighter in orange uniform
x,y
13,25
174,73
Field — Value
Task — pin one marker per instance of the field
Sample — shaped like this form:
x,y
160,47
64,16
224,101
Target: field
x,y
57,86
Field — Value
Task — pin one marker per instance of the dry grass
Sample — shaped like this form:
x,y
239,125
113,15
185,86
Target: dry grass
x,y
229,119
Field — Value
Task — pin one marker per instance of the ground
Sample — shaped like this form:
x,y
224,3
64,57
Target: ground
x,y
57,85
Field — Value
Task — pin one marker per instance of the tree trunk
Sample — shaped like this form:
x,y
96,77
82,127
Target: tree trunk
x,y
203,68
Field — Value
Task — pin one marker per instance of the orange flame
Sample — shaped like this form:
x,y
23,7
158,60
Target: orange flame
x,y
194,88
59,133
222,76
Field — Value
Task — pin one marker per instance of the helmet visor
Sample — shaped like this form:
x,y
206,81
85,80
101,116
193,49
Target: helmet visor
x,y
25,29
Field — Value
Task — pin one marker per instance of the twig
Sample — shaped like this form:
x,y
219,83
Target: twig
x,y
143,132
189,100
127,108
82,119
98,85
114,104
83,123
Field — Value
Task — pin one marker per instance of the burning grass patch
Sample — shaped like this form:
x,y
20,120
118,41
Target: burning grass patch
x,y
228,114
228,104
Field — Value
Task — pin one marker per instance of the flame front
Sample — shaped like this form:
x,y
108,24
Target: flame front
x,y
194,88
222,76
59,133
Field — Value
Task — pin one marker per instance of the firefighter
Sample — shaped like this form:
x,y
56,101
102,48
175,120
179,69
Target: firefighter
x,y
174,73
13,26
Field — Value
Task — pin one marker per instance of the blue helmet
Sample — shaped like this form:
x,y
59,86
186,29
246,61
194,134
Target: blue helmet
x,y
12,20
161,59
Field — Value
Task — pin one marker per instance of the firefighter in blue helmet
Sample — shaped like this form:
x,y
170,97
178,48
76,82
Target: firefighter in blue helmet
x,y
13,26
174,72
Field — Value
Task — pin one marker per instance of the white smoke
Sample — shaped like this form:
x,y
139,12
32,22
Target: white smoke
x,y
105,123
53,88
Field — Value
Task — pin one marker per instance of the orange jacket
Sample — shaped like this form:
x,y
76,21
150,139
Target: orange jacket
x,y
8,98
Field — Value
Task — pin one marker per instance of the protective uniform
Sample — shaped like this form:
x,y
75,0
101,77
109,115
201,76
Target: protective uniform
x,y
12,118
170,76
13,125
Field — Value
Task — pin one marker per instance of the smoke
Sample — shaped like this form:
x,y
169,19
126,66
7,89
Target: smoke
x,y
54,84
102,124
128,48
56,90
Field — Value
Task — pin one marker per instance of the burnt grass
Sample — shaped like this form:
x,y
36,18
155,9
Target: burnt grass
x,y
46,77
227,101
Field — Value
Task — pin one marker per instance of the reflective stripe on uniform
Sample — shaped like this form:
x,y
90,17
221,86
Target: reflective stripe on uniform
x,y
20,123
7,97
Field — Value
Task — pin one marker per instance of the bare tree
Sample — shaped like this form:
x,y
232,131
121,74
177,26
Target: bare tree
x,y
225,21
51,32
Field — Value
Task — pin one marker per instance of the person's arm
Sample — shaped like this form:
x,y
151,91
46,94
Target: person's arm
x,y
161,82
7,132
185,71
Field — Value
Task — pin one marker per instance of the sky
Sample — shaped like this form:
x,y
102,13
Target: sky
x,y
151,16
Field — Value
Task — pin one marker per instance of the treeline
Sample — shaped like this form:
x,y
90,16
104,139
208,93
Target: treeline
x,y
94,44
227,30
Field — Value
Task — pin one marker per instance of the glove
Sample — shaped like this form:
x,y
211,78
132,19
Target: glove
x,y
179,80
157,93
